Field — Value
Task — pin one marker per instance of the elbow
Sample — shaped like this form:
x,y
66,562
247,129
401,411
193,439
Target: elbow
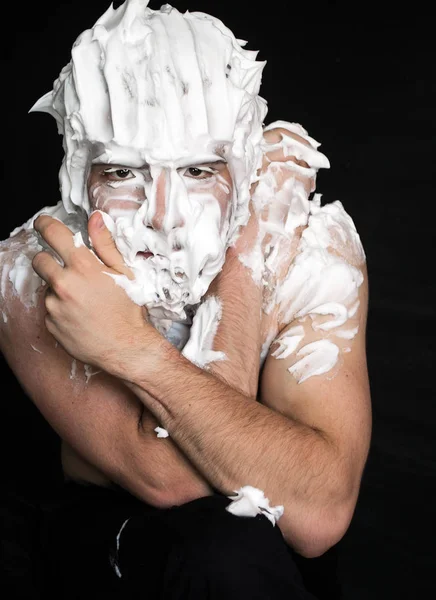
x,y
319,531
176,496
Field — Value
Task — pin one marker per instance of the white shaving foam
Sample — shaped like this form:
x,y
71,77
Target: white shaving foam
x,y
250,501
161,432
316,358
199,347
288,342
161,90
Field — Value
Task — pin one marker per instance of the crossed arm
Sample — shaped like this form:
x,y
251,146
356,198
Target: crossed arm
x,y
304,444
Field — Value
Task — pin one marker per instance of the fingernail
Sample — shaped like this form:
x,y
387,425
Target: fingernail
x,y
100,221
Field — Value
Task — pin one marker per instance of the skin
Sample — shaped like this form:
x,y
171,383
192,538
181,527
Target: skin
x,y
304,445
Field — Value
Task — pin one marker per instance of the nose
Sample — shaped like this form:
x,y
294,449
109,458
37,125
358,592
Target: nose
x,y
165,215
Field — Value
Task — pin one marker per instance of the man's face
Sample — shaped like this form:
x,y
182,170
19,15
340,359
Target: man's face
x,y
169,222
176,92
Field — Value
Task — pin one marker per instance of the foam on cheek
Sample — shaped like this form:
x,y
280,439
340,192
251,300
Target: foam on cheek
x,y
180,223
117,212
223,184
110,196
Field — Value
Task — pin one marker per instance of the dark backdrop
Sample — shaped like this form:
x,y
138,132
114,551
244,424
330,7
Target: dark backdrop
x,y
360,79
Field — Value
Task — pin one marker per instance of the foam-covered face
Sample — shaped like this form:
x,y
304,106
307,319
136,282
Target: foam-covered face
x,y
171,91
170,224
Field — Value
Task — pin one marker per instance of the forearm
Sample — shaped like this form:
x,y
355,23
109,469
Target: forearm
x,y
175,480
240,342
99,418
236,441
238,334
125,446
112,432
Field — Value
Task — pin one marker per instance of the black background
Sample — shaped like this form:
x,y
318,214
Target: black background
x,y
360,79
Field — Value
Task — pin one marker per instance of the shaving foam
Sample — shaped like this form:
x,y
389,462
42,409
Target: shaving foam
x,y
250,501
161,90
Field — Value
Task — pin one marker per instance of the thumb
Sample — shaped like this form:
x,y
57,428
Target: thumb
x,y
104,245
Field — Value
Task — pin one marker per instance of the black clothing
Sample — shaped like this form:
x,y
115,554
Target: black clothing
x,y
104,543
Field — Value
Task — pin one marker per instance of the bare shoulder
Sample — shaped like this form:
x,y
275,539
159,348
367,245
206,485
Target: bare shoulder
x,y
21,287
24,340
316,370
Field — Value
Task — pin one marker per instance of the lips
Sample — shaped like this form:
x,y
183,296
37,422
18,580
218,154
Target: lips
x,y
144,254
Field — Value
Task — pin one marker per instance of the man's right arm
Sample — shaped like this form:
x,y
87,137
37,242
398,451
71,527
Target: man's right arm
x,y
95,414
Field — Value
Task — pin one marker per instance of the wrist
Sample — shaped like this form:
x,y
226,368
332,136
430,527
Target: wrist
x,y
140,356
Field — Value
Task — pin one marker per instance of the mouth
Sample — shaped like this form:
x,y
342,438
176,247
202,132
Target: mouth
x,y
144,254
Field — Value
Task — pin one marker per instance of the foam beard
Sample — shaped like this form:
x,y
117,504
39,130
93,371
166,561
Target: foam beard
x,y
173,265
156,87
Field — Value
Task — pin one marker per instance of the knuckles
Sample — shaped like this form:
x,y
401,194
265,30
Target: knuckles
x,y
46,226
82,259
40,259
274,136
49,303
61,288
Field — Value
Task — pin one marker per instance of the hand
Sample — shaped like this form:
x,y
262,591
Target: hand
x,y
244,327
87,312
267,244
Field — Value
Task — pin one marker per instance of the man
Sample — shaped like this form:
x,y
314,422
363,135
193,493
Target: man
x,y
195,329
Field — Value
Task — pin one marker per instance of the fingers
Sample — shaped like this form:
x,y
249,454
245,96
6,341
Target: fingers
x,y
57,235
275,136
104,245
46,267
278,158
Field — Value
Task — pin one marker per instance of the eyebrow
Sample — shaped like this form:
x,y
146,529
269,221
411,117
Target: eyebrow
x,y
196,161
178,164
205,164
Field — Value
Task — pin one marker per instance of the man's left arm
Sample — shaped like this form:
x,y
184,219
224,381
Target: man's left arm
x,y
305,446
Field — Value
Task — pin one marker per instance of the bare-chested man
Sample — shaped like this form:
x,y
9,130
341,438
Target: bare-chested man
x,y
194,328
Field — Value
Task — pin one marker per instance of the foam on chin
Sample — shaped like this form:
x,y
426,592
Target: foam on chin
x,y
170,279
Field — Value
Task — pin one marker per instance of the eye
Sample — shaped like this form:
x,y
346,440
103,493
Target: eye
x,y
118,174
199,173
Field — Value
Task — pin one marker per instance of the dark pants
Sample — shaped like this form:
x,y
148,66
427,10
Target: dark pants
x,y
101,543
